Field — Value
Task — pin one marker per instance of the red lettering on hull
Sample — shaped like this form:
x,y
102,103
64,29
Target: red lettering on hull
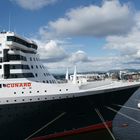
x,y
14,85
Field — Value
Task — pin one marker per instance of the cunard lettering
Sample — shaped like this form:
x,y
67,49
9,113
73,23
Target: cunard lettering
x,y
13,85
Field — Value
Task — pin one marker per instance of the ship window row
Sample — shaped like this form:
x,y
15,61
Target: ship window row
x,y
21,41
17,57
19,66
42,67
46,74
20,75
34,59
50,81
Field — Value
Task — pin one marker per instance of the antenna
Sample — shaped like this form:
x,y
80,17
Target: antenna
x,y
9,23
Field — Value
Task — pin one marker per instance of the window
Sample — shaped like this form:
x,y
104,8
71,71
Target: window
x,y
30,58
36,66
0,59
17,57
21,75
36,74
22,42
19,66
32,66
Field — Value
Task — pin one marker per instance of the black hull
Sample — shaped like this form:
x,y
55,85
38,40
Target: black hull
x,y
126,124
18,121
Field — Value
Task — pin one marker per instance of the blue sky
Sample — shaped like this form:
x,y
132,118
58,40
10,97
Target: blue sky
x,y
93,34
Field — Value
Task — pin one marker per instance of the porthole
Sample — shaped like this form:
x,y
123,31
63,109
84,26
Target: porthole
x,y
7,100
22,99
15,100
38,98
22,92
32,66
43,81
59,89
14,92
30,92
37,91
30,99
45,90
59,97
66,89
45,98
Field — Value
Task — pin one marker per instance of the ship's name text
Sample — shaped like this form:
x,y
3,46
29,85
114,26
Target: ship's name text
x,y
13,85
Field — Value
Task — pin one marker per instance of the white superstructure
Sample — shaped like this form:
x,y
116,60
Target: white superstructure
x,y
23,78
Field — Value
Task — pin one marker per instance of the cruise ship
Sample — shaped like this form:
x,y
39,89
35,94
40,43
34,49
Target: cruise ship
x,y
34,105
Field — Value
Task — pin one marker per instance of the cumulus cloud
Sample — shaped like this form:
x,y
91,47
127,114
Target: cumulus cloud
x,y
51,51
79,56
33,4
127,45
118,23
108,19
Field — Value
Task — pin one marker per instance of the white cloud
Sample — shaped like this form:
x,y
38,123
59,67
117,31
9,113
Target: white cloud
x,y
33,4
127,45
118,23
51,51
79,56
108,19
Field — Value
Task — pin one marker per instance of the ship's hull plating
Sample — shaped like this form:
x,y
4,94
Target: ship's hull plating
x,y
20,121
